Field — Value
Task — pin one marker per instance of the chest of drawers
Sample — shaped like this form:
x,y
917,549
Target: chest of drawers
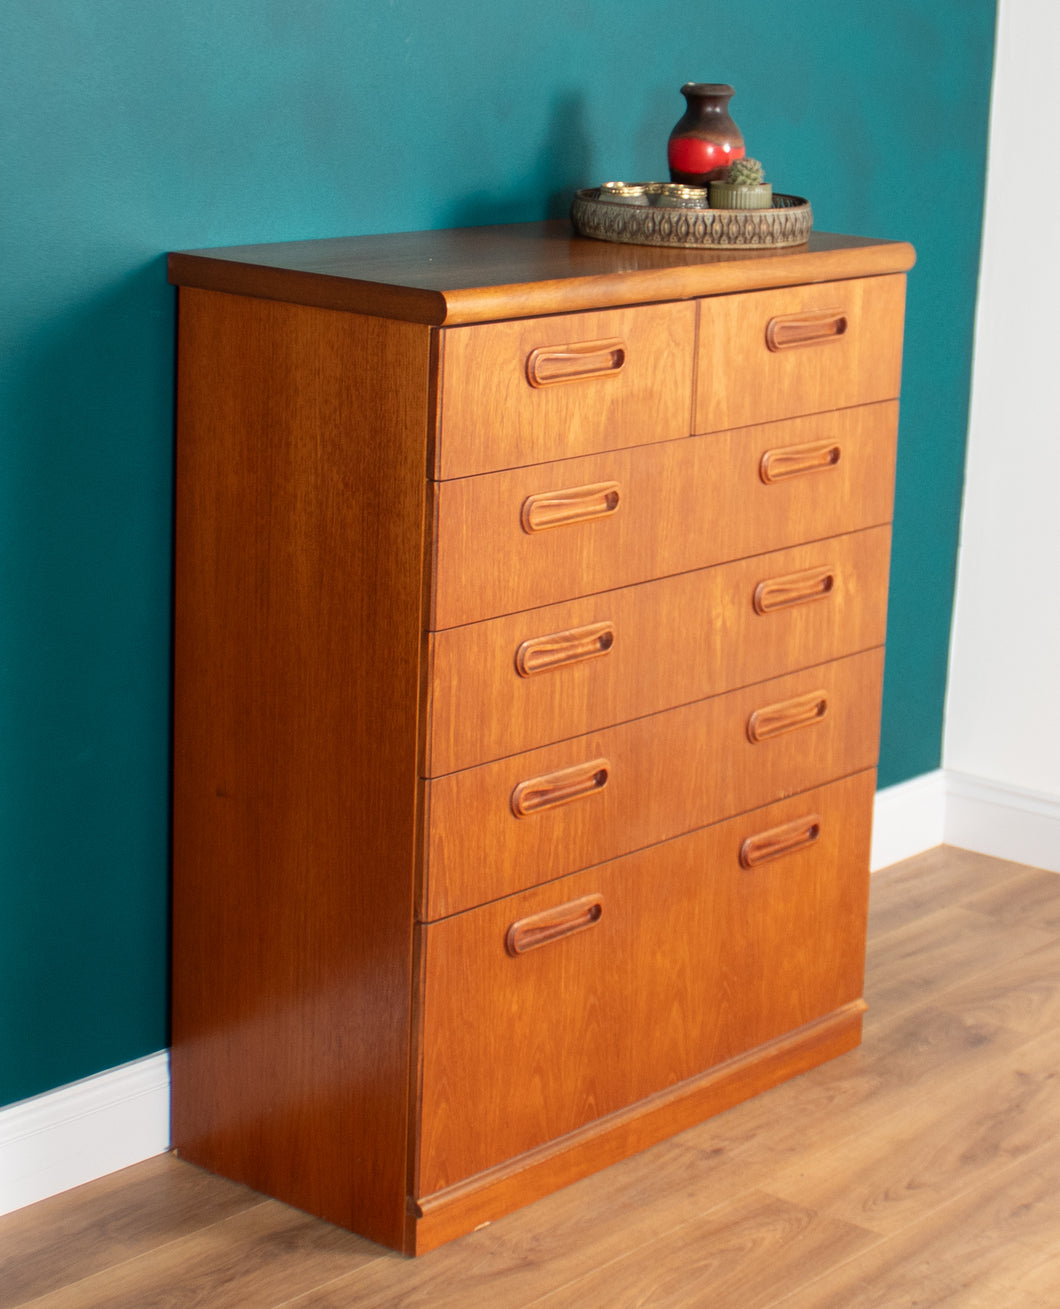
x,y
529,622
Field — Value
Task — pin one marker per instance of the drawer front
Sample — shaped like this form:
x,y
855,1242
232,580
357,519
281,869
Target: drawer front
x,y
530,818
527,679
776,354
628,978
518,393
532,536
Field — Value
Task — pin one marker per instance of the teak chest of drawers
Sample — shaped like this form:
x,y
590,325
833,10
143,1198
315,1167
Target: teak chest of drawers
x,y
530,604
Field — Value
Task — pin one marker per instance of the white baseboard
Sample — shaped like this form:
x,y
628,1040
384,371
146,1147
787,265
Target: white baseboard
x,y
973,813
908,819
83,1131
1004,821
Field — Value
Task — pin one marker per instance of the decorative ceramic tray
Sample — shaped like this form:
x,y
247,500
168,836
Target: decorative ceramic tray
x,y
789,222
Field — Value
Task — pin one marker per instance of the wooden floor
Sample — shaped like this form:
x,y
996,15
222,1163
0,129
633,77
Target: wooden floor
x,y
921,1169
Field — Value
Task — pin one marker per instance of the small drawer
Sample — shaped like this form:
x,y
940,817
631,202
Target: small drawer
x,y
518,393
532,817
515,540
628,978
800,350
513,683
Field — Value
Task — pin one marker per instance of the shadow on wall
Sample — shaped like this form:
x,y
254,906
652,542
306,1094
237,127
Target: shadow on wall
x,y
563,164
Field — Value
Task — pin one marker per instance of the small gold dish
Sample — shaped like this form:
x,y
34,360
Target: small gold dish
x,y
626,193
672,195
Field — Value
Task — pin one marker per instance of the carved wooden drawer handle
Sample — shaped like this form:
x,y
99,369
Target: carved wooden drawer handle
x,y
788,716
815,327
779,841
794,589
543,653
575,363
553,924
795,460
576,504
560,788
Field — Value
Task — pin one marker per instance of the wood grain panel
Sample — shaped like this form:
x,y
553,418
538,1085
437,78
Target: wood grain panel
x,y
472,1204
699,630
683,505
741,380
299,546
667,773
493,414
693,960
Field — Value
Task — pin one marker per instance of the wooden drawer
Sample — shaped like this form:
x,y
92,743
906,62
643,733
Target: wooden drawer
x,y
686,957
526,679
632,515
517,393
532,817
800,350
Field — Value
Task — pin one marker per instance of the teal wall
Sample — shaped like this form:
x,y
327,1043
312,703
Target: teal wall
x,y
129,127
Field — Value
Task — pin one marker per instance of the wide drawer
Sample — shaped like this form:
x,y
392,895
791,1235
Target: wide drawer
x,y
548,1010
532,536
507,685
533,817
799,350
520,392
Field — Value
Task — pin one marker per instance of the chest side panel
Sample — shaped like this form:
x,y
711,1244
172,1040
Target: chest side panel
x,y
299,542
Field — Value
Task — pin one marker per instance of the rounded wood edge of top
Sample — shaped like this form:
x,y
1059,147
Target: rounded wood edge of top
x,y
798,267
825,258
297,286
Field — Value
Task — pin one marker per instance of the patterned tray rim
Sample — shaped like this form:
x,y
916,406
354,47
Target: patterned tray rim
x,y
786,224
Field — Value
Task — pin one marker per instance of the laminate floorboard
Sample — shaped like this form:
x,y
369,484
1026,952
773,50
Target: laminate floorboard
x,y
921,1169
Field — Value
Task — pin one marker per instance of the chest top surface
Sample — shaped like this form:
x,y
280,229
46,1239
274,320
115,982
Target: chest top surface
x,y
482,274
